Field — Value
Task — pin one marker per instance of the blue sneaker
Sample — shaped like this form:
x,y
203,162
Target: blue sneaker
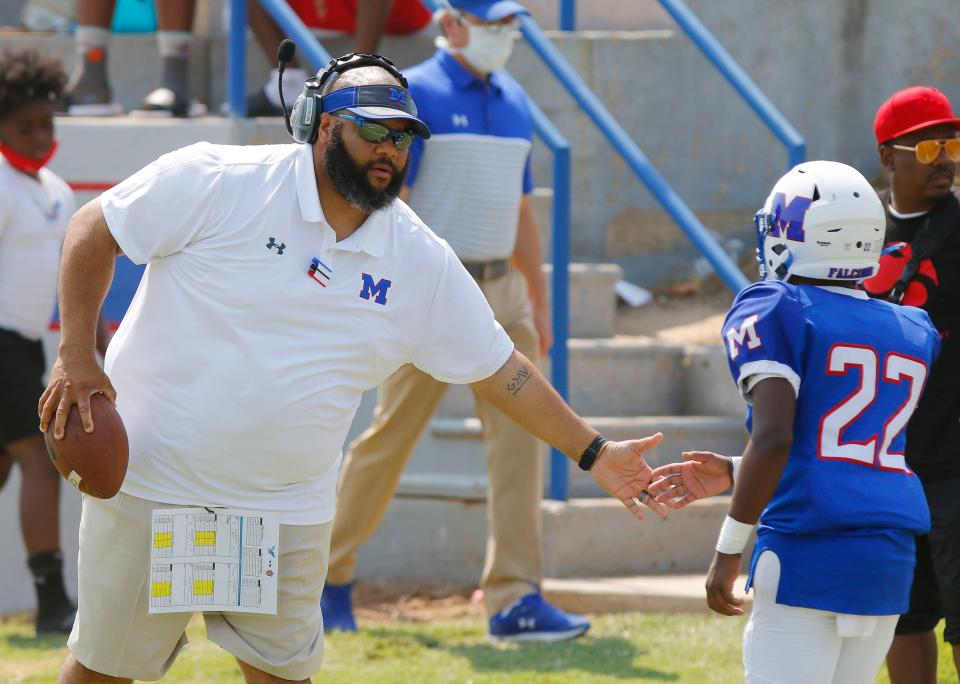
x,y
533,619
337,609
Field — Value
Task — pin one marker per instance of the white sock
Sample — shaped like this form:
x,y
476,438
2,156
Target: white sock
x,y
87,37
293,80
174,43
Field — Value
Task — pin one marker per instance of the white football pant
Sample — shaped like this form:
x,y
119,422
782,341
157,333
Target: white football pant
x,y
791,645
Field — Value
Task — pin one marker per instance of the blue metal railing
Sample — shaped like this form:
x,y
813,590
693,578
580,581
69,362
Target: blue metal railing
x,y
727,65
560,286
237,59
568,15
635,158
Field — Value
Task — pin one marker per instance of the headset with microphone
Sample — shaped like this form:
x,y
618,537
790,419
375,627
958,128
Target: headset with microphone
x,y
370,101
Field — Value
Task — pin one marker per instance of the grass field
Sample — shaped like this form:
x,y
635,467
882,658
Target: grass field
x,y
619,648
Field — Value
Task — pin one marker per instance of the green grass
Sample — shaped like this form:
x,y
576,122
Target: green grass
x,y
619,648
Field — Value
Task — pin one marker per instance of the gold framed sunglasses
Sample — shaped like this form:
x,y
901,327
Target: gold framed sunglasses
x,y
928,150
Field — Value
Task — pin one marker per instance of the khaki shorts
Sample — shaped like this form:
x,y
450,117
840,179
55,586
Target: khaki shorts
x,y
115,635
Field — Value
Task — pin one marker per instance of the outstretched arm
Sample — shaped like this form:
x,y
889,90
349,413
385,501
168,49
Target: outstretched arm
x,y
520,391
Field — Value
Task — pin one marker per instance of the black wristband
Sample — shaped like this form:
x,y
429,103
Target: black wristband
x,y
591,452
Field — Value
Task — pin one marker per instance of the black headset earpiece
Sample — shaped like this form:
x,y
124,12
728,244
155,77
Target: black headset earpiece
x,y
305,117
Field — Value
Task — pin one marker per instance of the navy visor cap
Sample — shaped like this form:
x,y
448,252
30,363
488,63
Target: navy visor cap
x,y
377,102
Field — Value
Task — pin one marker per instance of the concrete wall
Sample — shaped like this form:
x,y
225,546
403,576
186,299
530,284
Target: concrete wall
x,y
827,64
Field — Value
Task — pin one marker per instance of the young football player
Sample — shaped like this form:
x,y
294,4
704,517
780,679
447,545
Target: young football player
x,y
831,378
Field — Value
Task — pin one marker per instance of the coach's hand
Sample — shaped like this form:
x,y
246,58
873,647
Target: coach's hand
x,y
623,473
703,474
74,378
720,579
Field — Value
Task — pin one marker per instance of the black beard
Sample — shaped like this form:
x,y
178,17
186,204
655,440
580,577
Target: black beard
x,y
350,178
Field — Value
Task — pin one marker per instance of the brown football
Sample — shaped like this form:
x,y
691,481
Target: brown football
x,y
96,462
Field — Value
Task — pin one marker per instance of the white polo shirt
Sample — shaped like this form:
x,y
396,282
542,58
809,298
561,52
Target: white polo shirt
x,y
34,213
241,361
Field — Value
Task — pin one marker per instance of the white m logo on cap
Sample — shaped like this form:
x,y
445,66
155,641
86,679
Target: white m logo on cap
x,y
747,333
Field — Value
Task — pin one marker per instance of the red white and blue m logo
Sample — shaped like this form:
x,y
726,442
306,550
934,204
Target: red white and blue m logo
x,y
319,271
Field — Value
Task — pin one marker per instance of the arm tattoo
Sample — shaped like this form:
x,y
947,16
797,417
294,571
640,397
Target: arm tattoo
x,y
519,380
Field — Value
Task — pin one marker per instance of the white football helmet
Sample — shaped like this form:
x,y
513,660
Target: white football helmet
x,y
822,220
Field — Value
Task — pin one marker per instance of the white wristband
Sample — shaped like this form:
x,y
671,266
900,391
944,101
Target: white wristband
x,y
734,536
737,461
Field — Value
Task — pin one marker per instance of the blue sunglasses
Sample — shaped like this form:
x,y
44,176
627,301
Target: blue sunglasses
x,y
374,132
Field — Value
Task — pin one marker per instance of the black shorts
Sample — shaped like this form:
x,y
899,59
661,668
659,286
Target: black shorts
x,y
935,594
21,383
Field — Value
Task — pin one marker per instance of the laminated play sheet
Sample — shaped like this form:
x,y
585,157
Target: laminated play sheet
x,y
213,559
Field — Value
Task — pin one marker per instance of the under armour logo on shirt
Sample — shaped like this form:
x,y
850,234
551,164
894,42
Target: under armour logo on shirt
x,y
461,120
273,243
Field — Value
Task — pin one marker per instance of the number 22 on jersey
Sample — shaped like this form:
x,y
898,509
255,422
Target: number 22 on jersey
x,y
846,358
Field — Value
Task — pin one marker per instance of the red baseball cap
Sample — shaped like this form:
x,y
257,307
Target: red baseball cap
x,y
910,110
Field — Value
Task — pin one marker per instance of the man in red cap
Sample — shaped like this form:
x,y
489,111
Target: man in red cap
x,y
916,133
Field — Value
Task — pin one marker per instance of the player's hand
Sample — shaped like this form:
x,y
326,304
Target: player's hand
x,y
544,326
624,474
73,380
720,579
703,474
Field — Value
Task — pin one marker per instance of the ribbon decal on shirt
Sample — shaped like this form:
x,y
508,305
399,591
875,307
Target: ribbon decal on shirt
x,y
319,271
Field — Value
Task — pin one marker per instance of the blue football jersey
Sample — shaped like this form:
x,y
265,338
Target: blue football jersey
x,y
847,508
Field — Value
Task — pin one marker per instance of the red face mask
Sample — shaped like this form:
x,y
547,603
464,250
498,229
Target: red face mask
x,y
25,163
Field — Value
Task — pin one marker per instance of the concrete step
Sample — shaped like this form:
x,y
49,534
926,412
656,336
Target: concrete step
x,y
600,538
619,376
708,388
450,460
97,152
444,538
635,594
632,376
592,303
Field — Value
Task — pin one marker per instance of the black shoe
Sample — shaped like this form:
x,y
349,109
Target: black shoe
x,y
58,622
259,105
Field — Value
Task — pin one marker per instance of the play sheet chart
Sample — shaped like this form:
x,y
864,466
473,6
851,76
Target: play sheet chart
x,y
213,559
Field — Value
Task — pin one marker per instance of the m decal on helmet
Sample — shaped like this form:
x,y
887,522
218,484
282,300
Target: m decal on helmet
x,y
788,217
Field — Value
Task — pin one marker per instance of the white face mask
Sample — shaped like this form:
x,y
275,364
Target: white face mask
x,y
489,47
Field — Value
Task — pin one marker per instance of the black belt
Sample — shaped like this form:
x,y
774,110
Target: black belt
x,y
487,270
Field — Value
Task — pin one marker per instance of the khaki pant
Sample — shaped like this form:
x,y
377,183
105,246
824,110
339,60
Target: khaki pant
x,y
406,402
114,633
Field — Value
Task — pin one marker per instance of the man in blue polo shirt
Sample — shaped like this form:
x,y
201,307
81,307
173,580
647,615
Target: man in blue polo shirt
x,y
471,184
